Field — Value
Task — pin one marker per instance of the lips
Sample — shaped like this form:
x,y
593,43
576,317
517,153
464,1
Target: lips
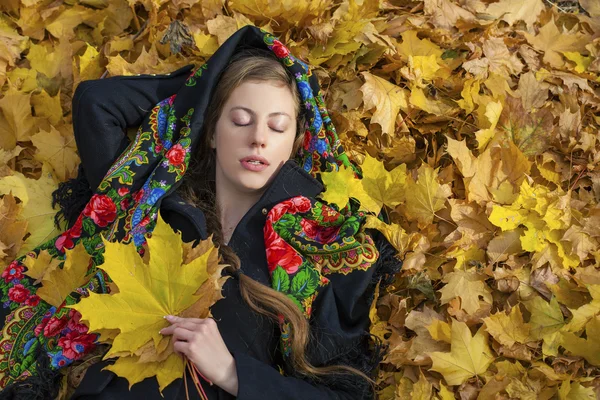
x,y
254,163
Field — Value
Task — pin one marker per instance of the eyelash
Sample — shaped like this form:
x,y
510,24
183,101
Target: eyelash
x,y
236,124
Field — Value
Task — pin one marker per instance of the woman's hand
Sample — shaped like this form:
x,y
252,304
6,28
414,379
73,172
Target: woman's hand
x,y
200,341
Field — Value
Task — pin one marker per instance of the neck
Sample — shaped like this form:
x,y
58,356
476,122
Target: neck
x,y
233,205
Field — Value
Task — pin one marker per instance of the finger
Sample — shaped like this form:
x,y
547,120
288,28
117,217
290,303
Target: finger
x,y
183,334
168,330
181,347
190,326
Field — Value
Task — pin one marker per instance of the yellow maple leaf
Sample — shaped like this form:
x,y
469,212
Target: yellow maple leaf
x,y
493,110
376,188
469,355
36,196
586,312
87,66
40,266
386,98
147,292
421,70
422,389
58,151
12,230
432,106
508,329
393,233
340,186
384,187
588,348
50,60
426,196
47,106
58,283
469,286
575,391
413,46
440,330
16,121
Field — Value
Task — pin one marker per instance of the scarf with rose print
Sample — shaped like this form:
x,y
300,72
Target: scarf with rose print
x,y
305,239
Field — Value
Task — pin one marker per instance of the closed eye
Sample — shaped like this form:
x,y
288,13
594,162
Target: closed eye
x,y
276,130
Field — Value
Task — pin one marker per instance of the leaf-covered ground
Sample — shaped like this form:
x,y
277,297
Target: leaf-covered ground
x,y
484,114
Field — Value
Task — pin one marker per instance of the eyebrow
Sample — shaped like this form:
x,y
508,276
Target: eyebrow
x,y
253,113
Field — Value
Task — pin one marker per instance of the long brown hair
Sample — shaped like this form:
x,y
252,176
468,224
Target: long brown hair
x,y
198,188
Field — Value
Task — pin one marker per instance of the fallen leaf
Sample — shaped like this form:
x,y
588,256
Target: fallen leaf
x,y
469,355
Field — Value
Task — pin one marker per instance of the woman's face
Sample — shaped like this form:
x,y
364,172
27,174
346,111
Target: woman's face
x,y
254,136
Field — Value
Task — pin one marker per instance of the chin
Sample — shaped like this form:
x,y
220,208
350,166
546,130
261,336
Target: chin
x,y
252,183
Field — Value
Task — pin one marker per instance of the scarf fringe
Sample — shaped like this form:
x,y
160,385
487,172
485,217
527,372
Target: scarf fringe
x,y
387,266
71,196
43,385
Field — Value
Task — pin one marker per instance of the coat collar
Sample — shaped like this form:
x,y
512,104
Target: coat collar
x,y
291,180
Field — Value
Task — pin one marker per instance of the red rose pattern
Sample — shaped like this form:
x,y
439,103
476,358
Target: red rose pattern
x,y
18,293
101,209
54,326
74,322
124,204
292,206
75,344
122,191
13,271
317,233
138,195
66,239
280,50
33,300
40,328
176,155
280,253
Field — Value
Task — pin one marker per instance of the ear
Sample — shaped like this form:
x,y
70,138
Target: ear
x,y
212,143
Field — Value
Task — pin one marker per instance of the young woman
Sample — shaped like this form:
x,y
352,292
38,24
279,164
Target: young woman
x,y
293,323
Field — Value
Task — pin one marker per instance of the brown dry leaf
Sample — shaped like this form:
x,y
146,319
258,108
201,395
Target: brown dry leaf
x,y
445,13
419,321
512,11
552,42
532,92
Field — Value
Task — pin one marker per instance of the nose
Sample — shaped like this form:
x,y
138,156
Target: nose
x,y
259,135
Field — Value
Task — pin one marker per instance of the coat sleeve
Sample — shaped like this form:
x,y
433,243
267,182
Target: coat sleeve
x,y
340,325
104,108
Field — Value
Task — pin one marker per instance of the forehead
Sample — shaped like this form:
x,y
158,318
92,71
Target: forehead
x,y
264,97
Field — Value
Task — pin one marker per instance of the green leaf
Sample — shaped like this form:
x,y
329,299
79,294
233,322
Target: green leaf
x,y
280,280
296,301
304,283
88,226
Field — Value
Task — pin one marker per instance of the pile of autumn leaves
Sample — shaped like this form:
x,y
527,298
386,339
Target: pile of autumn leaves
x,y
477,129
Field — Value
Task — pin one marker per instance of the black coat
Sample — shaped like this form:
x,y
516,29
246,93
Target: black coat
x,y
102,110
